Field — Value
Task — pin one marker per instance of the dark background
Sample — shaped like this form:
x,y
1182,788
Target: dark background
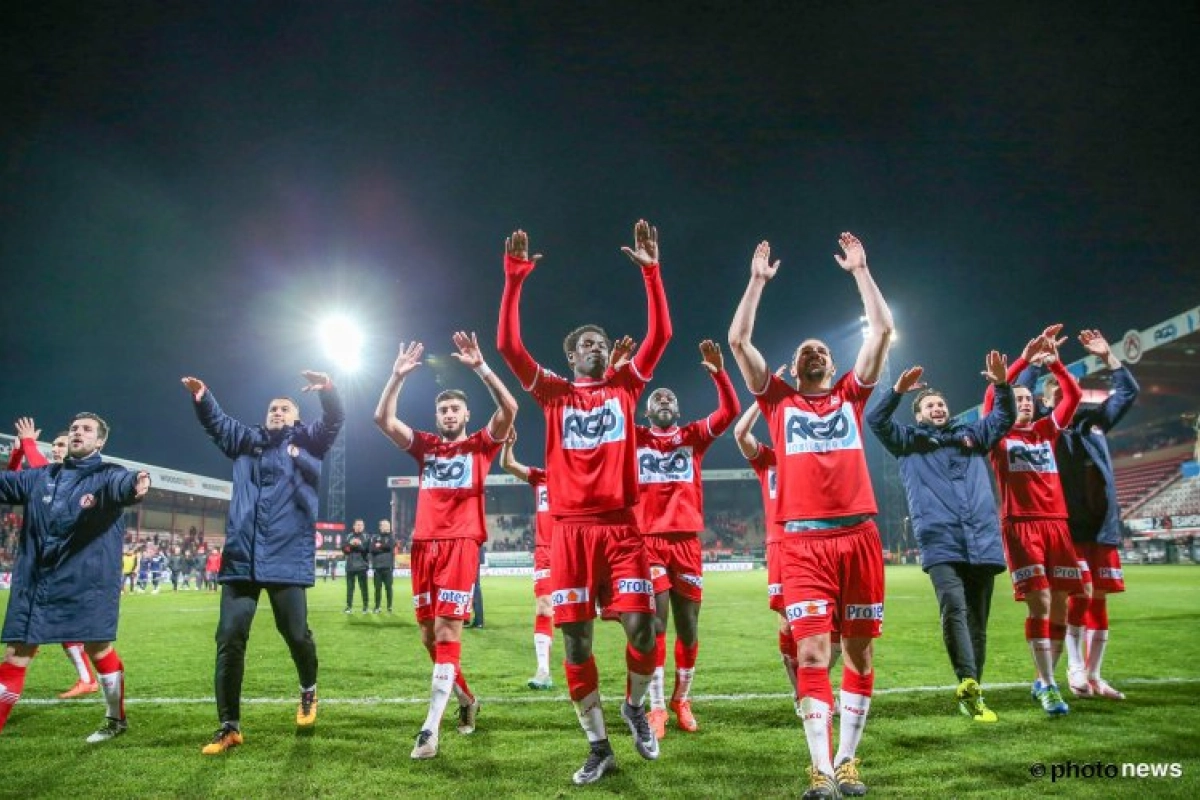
x,y
186,188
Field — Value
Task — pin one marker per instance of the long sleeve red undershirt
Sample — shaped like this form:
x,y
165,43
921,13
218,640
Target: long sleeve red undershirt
x,y
523,365
728,406
1072,394
26,448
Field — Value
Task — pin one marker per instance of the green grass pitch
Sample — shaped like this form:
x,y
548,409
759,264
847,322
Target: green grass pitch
x,y
374,681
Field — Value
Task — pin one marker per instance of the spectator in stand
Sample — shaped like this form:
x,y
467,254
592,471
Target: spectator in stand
x,y
383,562
943,466
1089,485
357,564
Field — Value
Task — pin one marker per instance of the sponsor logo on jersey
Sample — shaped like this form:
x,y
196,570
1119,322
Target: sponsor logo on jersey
x,y
673,466
541,574
657,571
447,473
421,600
1111,573
460,600
543,500
809,432
1025,573
868,611
1030,457
807,608
588,429
568,597
774,589
692,580
635,586
1068,573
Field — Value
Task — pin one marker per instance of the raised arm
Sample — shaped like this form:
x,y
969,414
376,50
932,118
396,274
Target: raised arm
x,y
26,445
1036,349
407,360
1125,387
728,406
999,420
880,326
324,431
229,435
517,266
749,360
645,254
896,438
747,442
508,459
1071,393
469,355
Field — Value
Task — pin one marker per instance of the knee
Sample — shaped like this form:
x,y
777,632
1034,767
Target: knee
x,y
813,651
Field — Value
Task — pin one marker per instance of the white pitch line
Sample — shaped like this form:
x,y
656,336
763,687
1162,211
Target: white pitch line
x,y
544,698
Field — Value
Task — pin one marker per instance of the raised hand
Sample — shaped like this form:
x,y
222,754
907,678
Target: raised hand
x,y
760,265
408,359
710,356
645,241
909,380
1095,343
26,429
855,257
141,484
195,386
621,352
316,381
995,367
469,354
516,247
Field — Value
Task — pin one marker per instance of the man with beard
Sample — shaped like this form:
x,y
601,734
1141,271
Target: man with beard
x,y
26,450
944,468
269,543
450,524
670,513
832,557
597,555
66,582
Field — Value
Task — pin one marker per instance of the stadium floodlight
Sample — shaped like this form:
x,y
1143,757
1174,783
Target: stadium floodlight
x,y
343,342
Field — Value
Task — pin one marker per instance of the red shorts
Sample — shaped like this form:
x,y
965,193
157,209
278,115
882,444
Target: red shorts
x,y
443,577
675,563
834,581
593,564
1101,566
541,570
1041,556
775,576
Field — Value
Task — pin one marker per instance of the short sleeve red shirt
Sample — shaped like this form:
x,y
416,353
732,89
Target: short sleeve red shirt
x,y
818,440
671,495
450,497
541,495
763,464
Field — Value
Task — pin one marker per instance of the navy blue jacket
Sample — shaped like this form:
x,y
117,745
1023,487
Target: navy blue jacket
x,y
271,533
66,583
1083,450
947,480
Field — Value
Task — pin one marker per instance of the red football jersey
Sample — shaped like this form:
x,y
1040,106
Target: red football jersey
x,y
671,495
1028,473
543,524
822,467
763,464
450,499
591,454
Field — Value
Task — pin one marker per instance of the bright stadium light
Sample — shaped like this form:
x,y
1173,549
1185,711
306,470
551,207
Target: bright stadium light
x,y
343,342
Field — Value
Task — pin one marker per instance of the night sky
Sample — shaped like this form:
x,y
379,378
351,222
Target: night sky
x,y
186,188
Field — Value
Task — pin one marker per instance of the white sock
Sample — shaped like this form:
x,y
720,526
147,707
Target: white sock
x,y
113,684
77,658
591,716
541,646
816,716
1043,659
439,696
1097,642
854,719
1074,646
683,684
657,691
639,684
